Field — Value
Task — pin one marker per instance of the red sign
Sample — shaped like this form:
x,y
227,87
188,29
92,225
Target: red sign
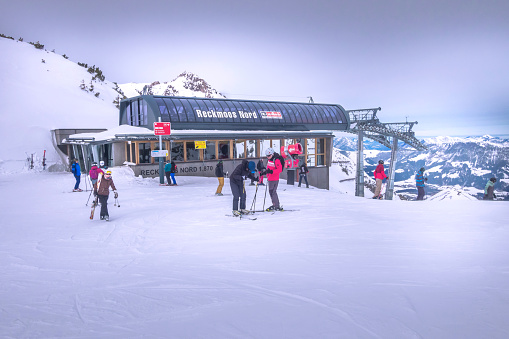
x,y
162,128
271,115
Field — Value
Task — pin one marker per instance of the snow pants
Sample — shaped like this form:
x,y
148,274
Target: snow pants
x,y
220,186
103,199
378,187
420,193
238,192
78,179
273,193
170,177
305,176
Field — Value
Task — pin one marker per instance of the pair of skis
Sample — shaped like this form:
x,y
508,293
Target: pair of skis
x,y
247,217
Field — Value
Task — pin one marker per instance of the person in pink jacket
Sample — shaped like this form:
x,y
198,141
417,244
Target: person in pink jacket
x,y
379,177
274,168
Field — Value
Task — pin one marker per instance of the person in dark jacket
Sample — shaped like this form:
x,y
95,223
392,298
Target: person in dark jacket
x,y
169,171
303,173
75,169
259,168
489,189
102,191
244,170
220,177
419,183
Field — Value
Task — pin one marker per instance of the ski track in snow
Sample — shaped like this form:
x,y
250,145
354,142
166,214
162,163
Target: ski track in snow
x,y
170,265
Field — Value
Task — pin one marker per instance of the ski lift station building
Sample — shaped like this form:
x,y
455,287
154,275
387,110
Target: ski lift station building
x,y
205,130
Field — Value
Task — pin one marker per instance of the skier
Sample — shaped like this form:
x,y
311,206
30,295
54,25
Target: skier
x,y
220,177
167,173
379,177
303,173
419,182
94,173
244,170
489,189
102,191
274,168
169,170
75,169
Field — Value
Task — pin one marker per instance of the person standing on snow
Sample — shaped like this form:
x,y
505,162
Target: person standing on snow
x,y
303,173
379,177
94,173
244,170
419,182
102,191
274,168
169,170
489,189
75,169
260,167
220,177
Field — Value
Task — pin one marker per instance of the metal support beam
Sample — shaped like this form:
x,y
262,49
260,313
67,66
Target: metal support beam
x,y
359,174
392,169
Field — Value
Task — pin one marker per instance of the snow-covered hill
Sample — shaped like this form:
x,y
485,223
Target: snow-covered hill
x,y
42,90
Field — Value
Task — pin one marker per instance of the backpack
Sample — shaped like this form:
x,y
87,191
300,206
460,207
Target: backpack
x,y
173,168
281,159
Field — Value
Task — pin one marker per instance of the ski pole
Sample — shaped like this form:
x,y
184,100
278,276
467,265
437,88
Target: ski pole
x,y
116,202
88,198
253,205
265,195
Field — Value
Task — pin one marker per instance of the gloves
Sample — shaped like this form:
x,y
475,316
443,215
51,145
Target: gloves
x,y
115,194
270,171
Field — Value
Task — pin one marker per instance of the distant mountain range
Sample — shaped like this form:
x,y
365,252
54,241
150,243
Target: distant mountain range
x,y
449,161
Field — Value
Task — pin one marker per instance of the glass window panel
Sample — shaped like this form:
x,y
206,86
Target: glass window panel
x,y
320,145
251,148
311,146
238,150
136,120
311,160
320,160
143,113
246,114
276,145
144,153
258,109
337,114
192,153
133,152
287,116
264,144
323,117
331,114
163,110
177,151
224,149
209,153
183,115
174,106
223,114
307,109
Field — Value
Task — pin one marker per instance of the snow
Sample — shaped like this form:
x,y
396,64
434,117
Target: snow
x,y
453,193
419,157
170,264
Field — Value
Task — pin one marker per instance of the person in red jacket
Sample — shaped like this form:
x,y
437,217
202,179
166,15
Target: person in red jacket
x,y
274,168
379,177
94,173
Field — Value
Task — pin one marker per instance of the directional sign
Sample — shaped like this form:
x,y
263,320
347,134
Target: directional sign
x,y
162,128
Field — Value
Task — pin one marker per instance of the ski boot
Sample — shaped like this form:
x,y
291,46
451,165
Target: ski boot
x,y
107,218
244,211
270,209
236,213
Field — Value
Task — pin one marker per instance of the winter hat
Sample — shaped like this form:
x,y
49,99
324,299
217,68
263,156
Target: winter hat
x,y
493,180
422,169
269,151
381,162
251,166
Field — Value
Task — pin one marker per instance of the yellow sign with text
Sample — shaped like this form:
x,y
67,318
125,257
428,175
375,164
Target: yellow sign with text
x,y
200,144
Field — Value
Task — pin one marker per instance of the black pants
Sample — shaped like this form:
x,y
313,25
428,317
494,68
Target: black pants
x,y
103,199
420,193
238,192
305,178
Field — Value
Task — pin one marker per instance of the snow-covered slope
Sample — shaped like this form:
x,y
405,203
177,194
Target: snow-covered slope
x,y
452,193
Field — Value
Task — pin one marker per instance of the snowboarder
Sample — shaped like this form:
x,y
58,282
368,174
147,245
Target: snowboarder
x,y
489,189
244,170
380,177
220,177
419,182
274,168
102,191
169,170
303,173
94,173
75,169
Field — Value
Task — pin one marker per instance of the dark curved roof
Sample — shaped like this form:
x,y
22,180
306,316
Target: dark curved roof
x,y
228,114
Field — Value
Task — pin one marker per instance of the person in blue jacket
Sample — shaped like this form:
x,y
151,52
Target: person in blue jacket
x,y
419,182
75,169
169,170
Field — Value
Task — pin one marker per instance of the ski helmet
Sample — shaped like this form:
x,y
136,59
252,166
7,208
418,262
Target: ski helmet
x,y
269,151
251,166
94,164
381,162
101,163
493,180
422,169
108,172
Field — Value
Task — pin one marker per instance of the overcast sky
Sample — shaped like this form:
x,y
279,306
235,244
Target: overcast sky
x,y
442,63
